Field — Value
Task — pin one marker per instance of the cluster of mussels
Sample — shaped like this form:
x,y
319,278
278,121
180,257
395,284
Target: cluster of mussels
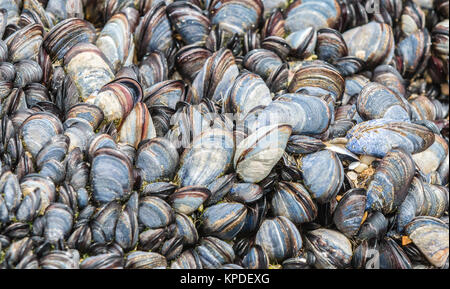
x,y
224,134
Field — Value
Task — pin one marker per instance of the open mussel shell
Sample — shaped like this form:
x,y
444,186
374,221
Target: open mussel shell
x,y
430,235
314,13
349,212
257,154
224,220
279,238
111,175
293,201
380,48
377,137
332,249
157,158
391,180
208,157
377,101
322,165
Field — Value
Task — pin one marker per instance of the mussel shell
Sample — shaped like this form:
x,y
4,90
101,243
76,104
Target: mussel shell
x,y
214,252
155,213
38,129
65,35
207,158
331,248
189,259
111,175
430,235
349,212
372,42
157,159
293,201
375,226
154,32
126,234
224,220
257,154
88,68
392,255
213,80
58,222
377,101
390,182
188,199
279,238
377,137
145,260
235,16
320,75
256,258
312,13
318,166
245,192
189,22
